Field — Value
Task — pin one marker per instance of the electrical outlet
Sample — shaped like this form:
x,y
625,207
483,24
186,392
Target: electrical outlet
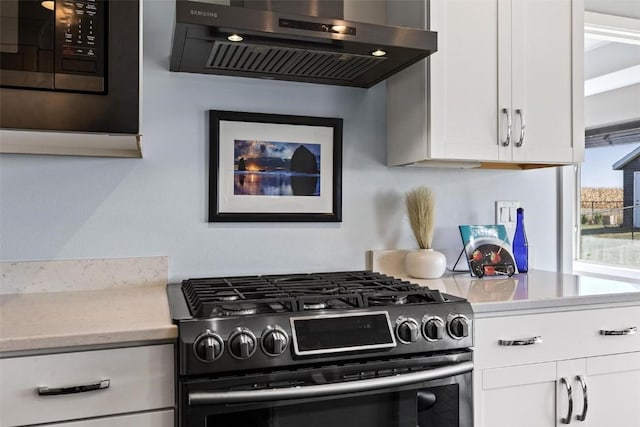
x,y
506,212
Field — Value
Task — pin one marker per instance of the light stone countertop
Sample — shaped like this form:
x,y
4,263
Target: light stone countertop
x,y
53,306
533,291
37,321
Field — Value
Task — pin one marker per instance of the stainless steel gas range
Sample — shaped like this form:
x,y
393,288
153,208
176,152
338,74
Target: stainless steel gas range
x,y
326,349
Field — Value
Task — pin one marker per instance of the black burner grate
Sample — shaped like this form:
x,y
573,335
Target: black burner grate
x,y
216,296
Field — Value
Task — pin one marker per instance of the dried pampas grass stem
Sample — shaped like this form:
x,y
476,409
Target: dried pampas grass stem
x,y
421,209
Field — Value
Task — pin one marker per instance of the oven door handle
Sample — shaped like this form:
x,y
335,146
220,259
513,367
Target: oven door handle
x,y
301,392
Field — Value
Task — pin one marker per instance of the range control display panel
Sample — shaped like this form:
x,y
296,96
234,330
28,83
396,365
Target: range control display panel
x,y
339,333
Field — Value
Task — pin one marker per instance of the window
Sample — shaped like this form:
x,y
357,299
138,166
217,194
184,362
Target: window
x,y
609,220
608,193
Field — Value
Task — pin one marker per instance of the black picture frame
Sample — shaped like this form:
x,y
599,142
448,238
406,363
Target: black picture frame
x,y
231,132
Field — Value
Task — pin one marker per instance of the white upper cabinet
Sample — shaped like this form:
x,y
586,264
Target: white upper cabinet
x,y
505,88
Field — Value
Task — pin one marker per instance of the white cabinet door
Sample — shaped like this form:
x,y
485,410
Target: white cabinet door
x,y
614,390
542,81
446,108
464,76
523,396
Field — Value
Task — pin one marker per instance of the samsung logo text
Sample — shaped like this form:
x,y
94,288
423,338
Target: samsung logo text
x,y
203,13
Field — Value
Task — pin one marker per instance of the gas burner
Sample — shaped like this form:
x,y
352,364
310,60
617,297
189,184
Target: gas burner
x,y
308,290
242,309
325,291
320,305
392,299
302,289
226,296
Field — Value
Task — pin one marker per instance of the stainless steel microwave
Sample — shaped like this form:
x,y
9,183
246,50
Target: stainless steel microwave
x,y
70,65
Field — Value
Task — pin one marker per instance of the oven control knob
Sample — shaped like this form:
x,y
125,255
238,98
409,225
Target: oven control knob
x,y
274,341
458,327
242,343
433,328
407,330
208,346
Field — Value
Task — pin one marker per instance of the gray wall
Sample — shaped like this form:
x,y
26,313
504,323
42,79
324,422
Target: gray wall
x,y
67,207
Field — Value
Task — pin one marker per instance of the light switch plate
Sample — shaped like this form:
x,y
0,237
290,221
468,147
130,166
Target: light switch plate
x,y
506,212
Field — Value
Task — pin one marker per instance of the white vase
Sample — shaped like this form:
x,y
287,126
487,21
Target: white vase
x,y
425,264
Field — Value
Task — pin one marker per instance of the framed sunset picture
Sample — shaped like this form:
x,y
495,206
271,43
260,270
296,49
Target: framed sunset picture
x,y
269,167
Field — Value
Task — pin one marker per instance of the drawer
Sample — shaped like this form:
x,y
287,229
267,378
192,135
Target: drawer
x,y
148,419
565,335
140,378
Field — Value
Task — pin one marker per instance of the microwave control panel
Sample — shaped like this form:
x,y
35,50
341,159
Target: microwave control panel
x,y
81,36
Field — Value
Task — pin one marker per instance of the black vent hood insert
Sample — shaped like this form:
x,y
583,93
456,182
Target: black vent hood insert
x,y
292,46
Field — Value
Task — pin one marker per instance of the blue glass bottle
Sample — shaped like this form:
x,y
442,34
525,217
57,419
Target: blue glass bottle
x,y
520,245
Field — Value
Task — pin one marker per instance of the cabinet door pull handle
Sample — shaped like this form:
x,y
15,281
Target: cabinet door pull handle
x,y
567,385
507,140
585,399
101,385
523,127
525,341
627,331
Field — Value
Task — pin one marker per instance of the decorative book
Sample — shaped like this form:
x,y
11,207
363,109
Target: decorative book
x,y
487,250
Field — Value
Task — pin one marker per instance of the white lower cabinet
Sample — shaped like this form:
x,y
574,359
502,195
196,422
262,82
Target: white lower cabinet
x,y
595,392
132,386
538,381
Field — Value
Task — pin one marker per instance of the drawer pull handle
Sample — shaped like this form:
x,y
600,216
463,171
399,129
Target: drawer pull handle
x,y
627,331
567,420
585,399
46,391
526,341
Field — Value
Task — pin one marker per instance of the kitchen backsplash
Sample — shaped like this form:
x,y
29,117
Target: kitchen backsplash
x,y
81,274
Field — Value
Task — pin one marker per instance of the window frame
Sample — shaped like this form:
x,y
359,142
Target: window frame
x,y
613,28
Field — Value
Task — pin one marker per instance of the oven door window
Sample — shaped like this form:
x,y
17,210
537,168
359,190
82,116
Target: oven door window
x,y
429,407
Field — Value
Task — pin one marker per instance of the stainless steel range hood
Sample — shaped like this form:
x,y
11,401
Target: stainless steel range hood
x,y
310,42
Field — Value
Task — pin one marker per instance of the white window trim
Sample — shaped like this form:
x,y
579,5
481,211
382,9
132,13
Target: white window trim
x,y
568,183
605,270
